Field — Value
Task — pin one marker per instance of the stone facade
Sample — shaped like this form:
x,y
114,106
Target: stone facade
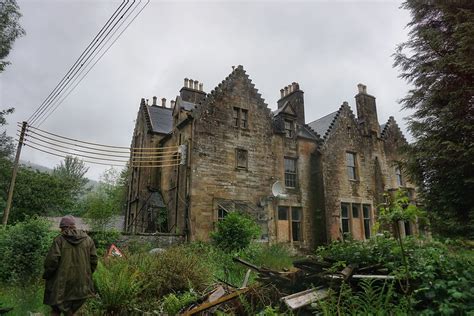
x,y
291,177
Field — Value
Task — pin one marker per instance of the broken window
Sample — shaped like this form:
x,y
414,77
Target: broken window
x,y
345,224
367,220
290,172
241,158
221,213
289,129
351,165
296,223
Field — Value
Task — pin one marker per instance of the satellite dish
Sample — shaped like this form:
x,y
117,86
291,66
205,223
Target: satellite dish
x,y
278,191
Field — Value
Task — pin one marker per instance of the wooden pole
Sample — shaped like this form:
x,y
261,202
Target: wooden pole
x,y
15,170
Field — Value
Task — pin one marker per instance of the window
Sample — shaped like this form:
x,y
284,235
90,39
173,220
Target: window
x,y
296,223
345,218
290,172
366,211
351,165
407,228
240,117
243,118
355,210
282,213
236,117
221,213
289,129
398,173
241,158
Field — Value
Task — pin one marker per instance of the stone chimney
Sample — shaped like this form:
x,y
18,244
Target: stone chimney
x,y
367,111
192,91
163,102
295,97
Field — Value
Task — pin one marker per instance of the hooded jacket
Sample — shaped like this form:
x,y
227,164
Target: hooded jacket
x,y
68,268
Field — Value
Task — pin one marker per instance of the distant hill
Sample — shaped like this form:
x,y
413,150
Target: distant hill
x,y
92,183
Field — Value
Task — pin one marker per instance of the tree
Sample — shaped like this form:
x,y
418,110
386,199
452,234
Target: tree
x,y
6,142
438,60
107,200
10,29
72,172
235,232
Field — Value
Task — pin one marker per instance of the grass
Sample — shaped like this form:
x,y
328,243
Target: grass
x,y
23,299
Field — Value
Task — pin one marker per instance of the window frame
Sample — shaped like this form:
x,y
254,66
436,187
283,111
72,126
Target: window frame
x,y
237,152
351,168
399,175
240,117
291,176
289,211
290,129
367,220
346,218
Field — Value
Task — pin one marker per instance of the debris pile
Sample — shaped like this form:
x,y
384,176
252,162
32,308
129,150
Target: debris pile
x,y
308,282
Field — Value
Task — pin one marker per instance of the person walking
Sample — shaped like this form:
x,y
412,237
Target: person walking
x,y
68,269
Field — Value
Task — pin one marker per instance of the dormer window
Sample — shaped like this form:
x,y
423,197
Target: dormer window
x,y
240,117
289,128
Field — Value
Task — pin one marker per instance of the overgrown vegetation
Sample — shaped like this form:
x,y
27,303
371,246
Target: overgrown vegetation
x,y
235,232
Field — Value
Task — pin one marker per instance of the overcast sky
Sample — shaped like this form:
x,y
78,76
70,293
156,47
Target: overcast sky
x,y
327,47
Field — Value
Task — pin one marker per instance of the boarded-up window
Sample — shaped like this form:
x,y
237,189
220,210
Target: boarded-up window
x,y
351,165
345,224
290,173
367,220
241,158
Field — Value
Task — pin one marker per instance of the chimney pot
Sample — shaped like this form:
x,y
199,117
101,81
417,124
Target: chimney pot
x,y
297,86
142,101
154,100
146,101
186,80
196,85
200,86
172,103
362,88
163,102
191,83
293,86
286,91
282,93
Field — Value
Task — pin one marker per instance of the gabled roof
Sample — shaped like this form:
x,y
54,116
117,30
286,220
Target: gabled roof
x,y
286,108
306,132
390,125
322,126
160,119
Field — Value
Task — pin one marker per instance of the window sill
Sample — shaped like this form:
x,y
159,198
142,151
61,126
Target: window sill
x,y
354,180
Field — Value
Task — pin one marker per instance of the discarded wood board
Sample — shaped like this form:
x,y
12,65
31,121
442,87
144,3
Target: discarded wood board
x,y
207,305
300,299
376,277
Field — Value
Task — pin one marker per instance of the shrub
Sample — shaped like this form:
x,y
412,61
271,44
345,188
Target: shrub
x,y
23,247
117,284
235,232
173,303
175,270
103,239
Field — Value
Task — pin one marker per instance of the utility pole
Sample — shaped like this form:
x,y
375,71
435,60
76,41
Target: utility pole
x,y
15,170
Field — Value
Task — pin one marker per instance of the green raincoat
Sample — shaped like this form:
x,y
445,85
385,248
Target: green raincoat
x,y
68,268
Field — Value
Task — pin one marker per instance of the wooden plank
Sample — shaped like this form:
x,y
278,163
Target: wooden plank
x,y
377,277
220,300
300,299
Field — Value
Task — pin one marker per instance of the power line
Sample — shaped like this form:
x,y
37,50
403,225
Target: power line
x,y
79,60
57,102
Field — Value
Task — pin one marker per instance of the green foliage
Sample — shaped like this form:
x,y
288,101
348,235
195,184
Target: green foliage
x,y
6,142
117,284
107,200
235,232
23,298
10,29
23,247
398,209
173,303
437,60
441,279
103,239
175,270
371,299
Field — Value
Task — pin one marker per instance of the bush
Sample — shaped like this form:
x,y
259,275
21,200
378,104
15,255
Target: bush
x,y
23,247
173,303
117,284
175,270
235,232
441,280
103,239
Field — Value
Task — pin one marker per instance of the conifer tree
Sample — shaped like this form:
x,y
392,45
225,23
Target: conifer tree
x,y
438,62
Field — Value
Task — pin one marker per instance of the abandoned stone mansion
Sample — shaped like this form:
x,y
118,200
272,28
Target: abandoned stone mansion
x,y
305,183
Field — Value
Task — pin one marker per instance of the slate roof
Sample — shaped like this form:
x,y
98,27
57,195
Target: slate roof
x,y
322,125
188,106
161,119
306,132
